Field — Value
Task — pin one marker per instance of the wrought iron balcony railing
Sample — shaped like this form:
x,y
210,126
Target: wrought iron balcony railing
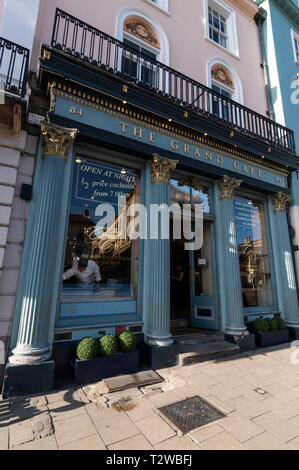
x,y
14,61
84,42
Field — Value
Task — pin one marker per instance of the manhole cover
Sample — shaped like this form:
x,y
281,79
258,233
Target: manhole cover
x,y
191,413
122,382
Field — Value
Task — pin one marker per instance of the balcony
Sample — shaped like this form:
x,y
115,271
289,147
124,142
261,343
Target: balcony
x,y
14,61
91,46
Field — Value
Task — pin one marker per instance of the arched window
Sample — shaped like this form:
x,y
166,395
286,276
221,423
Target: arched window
x,y
223,80
139,32
139,36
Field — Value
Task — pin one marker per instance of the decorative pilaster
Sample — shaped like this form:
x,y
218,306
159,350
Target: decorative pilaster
x,y
228,187
36,290
287,280
280,201
233,288
158,325
162,168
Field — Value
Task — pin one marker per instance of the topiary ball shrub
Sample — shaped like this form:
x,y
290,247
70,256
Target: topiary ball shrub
x,y
273,326
281,324
260,325
108,345
88,348
126,341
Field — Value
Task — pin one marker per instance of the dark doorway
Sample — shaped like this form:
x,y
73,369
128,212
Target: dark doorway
x,y
179,284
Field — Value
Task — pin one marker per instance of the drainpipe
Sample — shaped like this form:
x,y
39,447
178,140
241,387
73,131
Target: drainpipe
x,y
259,18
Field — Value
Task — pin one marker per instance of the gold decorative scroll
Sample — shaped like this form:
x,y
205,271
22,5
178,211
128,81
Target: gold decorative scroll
x,y
228,187
141,30
162,168
222,75
57,139
280,201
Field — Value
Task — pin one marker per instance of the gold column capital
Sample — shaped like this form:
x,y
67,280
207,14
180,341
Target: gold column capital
x,y
280,201
57,139
228,187
161,168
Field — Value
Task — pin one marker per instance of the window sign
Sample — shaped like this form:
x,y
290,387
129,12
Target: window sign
x,y
253,253
98,263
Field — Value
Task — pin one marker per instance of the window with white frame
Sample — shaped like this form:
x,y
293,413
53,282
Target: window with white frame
x,y
295,40
221,25
140,37
228,87
163,4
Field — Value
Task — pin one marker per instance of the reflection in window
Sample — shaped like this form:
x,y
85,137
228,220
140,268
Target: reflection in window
x,y
253,253
98,262
221,107
136,67
217,27
140,37
183,192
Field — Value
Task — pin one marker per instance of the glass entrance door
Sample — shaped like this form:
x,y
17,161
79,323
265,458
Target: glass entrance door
x,y
193,273
203,288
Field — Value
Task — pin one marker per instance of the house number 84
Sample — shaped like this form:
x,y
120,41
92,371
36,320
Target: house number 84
x,y
74,110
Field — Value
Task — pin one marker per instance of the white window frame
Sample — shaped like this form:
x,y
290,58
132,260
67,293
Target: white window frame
x,y
231,25
295,37
164,42
161,4
143,44
237,93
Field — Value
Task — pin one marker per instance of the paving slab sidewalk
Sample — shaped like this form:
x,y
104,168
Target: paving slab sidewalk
x,y
258,392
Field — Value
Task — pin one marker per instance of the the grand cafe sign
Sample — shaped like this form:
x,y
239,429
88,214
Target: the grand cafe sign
x,y
111,120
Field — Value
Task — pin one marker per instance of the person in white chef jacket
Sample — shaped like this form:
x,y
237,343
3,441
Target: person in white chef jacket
x,y
86,271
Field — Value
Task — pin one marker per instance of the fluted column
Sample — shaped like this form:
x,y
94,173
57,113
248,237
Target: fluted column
x,y
32,342
287,278
158,325
233,288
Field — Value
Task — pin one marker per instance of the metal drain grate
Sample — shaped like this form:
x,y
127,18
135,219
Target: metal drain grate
x,y
191,413
140,379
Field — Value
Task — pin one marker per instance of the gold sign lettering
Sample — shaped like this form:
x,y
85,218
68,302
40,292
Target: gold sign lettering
x,y
174,145
209,156
123,127
137,132
196,153
219,159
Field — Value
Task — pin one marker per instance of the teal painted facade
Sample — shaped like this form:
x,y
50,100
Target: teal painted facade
x,y
151,310
279,22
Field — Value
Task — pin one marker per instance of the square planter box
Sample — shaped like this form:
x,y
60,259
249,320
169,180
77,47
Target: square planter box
x,y
93,370
271,338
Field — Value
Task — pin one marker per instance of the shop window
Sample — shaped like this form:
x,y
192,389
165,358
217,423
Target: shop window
x,y
221,25
188,190
295,40
101,262
142,39
253,253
